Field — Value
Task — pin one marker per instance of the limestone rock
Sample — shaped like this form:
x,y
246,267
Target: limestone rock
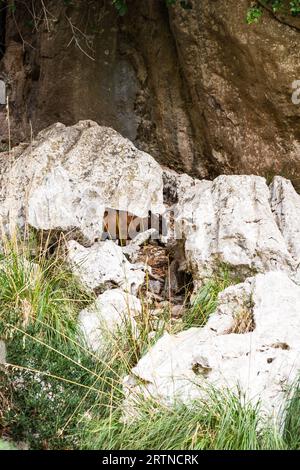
x,y
143,237
68,175
155,286
104,264
112,311
285,204
229,221
177,311
2,352
2,92
133,248
261,361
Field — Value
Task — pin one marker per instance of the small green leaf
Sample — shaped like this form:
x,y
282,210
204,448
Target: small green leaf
x,y
121,6
295,7
254,14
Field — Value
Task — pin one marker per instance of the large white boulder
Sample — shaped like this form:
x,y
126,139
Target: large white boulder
x,y
68,175
102,265
232,221
113,311
251,345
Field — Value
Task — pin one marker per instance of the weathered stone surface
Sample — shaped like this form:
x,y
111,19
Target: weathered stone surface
x,y
104,264
132,249
285,204
2,92
240,77
2,352
112,311
230,221
66,178
261,361
194,87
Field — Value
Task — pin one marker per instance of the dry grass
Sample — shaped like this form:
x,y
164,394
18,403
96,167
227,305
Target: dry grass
x,y
243,322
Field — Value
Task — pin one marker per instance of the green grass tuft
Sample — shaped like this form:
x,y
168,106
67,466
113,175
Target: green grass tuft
x,y
55,394
220,423
205,301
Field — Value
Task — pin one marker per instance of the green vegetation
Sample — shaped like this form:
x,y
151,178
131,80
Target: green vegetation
x,y
5,445
291,431
255,12
37,291
222,422
253,15
205,301
55,394
121,6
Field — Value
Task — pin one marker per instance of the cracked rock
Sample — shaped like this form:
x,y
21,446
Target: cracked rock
x,y
102,265
67,177
113,311
233,221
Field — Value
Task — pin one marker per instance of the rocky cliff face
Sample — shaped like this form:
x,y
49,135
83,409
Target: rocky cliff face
x,y
199,89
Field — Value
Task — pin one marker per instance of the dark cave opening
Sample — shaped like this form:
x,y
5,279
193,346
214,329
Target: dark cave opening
x,y
3,10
